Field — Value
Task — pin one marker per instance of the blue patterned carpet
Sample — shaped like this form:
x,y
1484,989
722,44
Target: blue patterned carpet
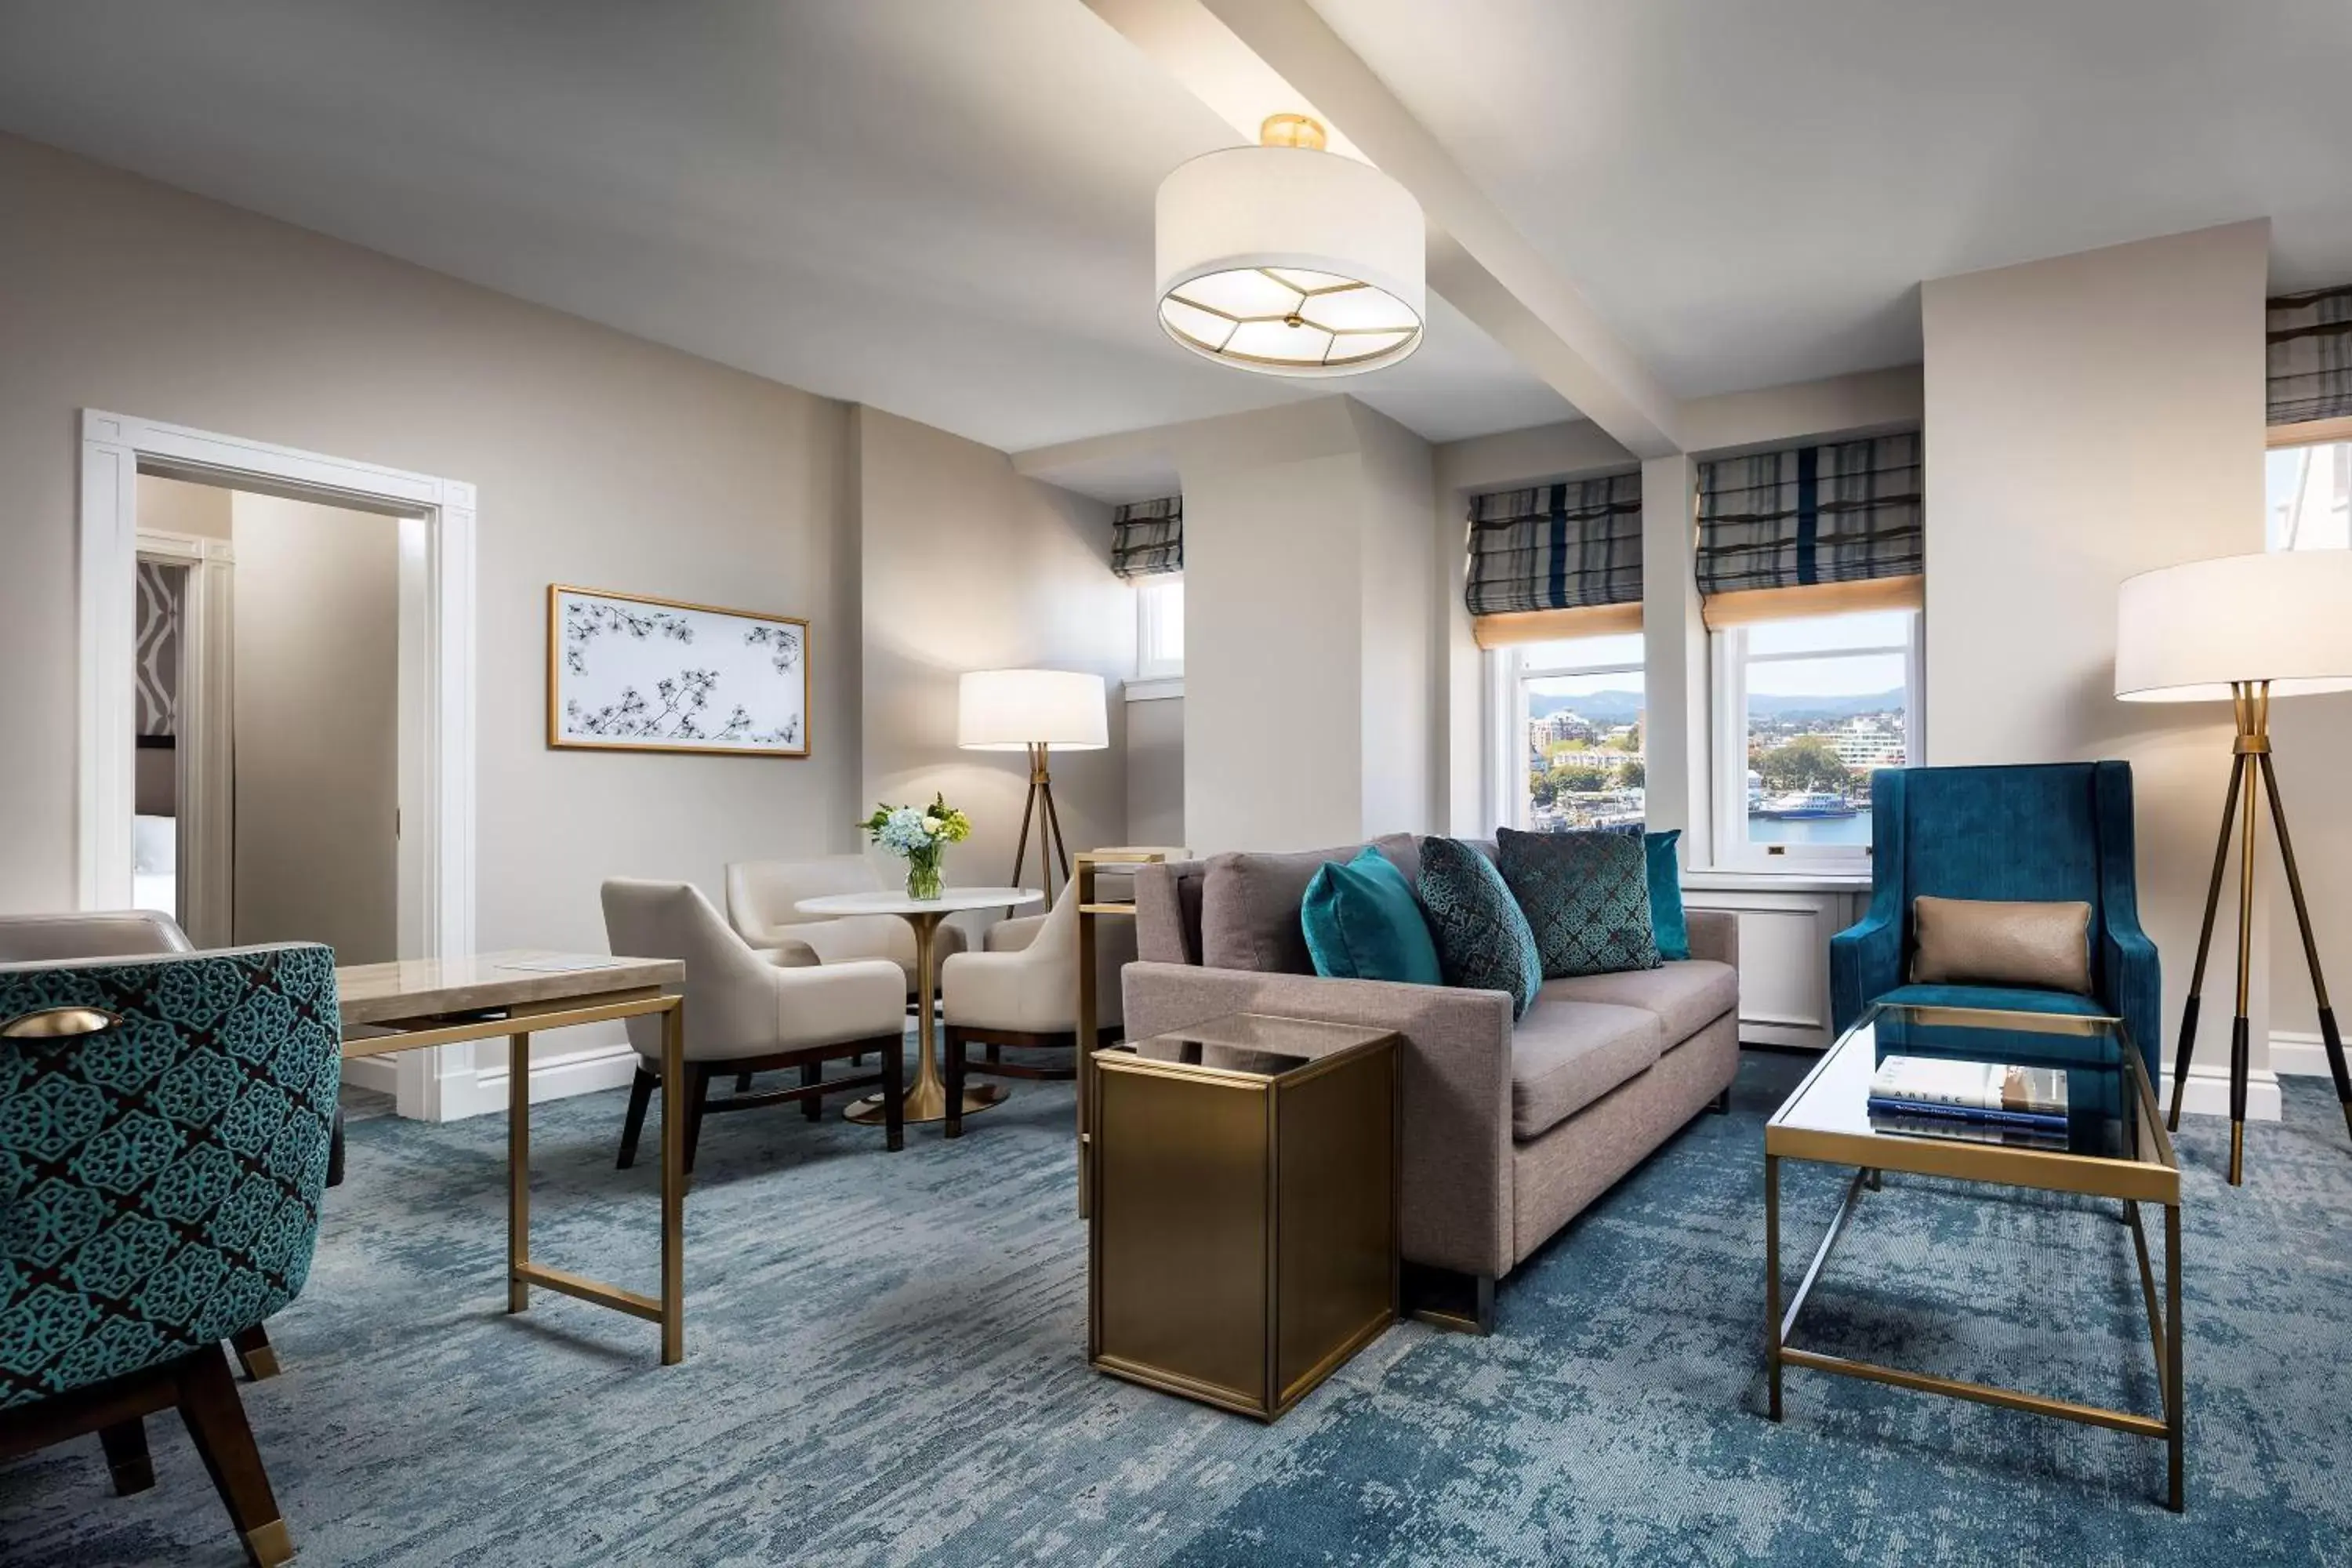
x,y
885,1366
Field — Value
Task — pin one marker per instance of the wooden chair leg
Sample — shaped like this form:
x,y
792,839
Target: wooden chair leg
x,y
125,1443
957,1061
743,1083
894,1084
641,1092
335,1150
255,1353
698,1095
215,1420
995,1052
810,1074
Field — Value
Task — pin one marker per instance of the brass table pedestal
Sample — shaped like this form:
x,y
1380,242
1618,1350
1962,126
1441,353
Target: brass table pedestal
x,y
1243,1235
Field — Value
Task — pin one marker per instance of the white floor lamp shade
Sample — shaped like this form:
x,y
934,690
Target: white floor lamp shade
x,y
2186,634
1014,710
1289,260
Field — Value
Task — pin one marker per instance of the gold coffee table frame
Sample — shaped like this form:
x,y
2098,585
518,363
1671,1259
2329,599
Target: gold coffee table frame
x,y
467,1001
2153,1178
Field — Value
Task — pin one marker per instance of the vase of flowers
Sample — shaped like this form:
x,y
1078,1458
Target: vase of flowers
x,y
919,835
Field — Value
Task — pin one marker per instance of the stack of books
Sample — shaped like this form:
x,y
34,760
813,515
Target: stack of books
x,y
1985,1102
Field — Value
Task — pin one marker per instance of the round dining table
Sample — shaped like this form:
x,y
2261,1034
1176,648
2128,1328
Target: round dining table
x,y
926,1099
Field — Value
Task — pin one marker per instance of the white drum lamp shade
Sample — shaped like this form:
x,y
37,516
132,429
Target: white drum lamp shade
x,y
2186,632
1290,261
1014,710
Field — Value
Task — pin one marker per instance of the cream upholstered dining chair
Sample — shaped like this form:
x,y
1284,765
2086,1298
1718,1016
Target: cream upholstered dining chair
x,y
761,899
1022,990
745,1014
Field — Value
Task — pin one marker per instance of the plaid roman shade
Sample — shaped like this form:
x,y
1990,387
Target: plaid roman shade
x,y
1845,513
1148,538
2311,356
1576,545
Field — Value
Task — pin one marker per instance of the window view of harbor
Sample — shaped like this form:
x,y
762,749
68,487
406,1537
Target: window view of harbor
x,y
1826,703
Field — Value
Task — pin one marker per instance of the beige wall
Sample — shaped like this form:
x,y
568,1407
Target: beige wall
x,y
600,460
2087,418
967,565
315,705
1155,772
176,506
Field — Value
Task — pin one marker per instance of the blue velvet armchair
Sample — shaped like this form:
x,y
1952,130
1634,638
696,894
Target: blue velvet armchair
x,y
164,1144
2053,832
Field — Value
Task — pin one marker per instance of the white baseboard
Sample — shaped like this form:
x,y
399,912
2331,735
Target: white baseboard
x,y
2208,1093
598,1068
2298,1053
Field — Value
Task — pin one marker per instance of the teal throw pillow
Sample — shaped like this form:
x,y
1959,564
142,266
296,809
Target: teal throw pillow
x,y
1482,940
1362,923
1667,921
1586,896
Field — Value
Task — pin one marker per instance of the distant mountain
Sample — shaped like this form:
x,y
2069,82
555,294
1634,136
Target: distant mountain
x,y
1625,707
1598,707
1765,707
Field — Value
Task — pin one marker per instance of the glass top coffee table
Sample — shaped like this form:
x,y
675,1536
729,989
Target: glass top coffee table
x,y
2113,1145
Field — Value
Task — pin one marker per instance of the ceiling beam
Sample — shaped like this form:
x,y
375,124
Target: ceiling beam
x,y
1246,58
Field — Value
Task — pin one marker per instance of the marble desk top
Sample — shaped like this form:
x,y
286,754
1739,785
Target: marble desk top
x,y
419,987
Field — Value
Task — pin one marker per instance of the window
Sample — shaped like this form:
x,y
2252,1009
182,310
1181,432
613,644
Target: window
x,y
1160,628
1805,712
1575,733
2309,495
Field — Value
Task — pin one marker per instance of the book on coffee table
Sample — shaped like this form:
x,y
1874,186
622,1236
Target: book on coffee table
x,y
1936,1093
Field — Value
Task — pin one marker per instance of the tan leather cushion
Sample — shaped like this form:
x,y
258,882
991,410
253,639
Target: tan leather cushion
x,y
1978,941
1565,1055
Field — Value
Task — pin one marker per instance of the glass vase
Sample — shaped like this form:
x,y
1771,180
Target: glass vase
x,y
923,876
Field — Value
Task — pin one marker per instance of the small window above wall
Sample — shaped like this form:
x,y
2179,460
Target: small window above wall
x,y
1148,550
1810,565
2308,476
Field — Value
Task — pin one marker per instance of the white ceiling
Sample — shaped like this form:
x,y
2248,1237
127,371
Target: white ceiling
x,y
943,207
1750,194
940,208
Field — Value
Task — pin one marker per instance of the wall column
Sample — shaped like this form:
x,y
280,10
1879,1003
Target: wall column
x,y
1674,646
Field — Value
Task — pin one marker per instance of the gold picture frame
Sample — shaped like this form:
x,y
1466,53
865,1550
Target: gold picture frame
x,y
647,692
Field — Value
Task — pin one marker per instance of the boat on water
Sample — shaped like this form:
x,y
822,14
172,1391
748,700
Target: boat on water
x,y
1805,806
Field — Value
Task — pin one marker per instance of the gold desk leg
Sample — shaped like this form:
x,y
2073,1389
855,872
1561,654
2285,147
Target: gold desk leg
x,y
673,1220
517,1171
2176,1390
1772,1276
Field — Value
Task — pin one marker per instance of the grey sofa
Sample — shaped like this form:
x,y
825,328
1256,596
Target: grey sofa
x,y
1509,1132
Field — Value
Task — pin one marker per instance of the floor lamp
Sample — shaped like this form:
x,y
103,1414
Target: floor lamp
x,y
1033,711
2248,629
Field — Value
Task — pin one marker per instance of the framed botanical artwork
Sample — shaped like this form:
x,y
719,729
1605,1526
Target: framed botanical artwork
x,y
629,673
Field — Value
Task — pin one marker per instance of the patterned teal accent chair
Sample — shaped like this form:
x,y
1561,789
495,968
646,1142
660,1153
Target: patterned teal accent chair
x,y
163,1133
2058,831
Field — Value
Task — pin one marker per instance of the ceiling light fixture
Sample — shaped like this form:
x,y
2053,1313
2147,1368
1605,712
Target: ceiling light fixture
x,y
1289,260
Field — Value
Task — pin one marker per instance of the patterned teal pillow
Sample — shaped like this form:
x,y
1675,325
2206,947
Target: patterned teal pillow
x,y
1482,940
1586,896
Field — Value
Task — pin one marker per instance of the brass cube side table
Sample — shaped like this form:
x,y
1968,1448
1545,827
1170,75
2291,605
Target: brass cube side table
x,y
1244,1232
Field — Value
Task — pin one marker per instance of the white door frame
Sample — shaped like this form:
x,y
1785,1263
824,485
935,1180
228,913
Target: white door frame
x,y
437,837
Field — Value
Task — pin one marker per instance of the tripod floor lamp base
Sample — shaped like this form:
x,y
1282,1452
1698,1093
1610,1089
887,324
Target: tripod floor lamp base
x,y
1051,850
2241,815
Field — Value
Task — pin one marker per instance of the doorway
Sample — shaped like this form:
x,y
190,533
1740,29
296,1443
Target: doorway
x,y
433,743
281,682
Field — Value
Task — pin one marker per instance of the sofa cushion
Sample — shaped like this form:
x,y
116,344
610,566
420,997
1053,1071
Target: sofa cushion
x,y
1482,941
1250,904
1363,922
1566,1054
1586,897
1686,996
